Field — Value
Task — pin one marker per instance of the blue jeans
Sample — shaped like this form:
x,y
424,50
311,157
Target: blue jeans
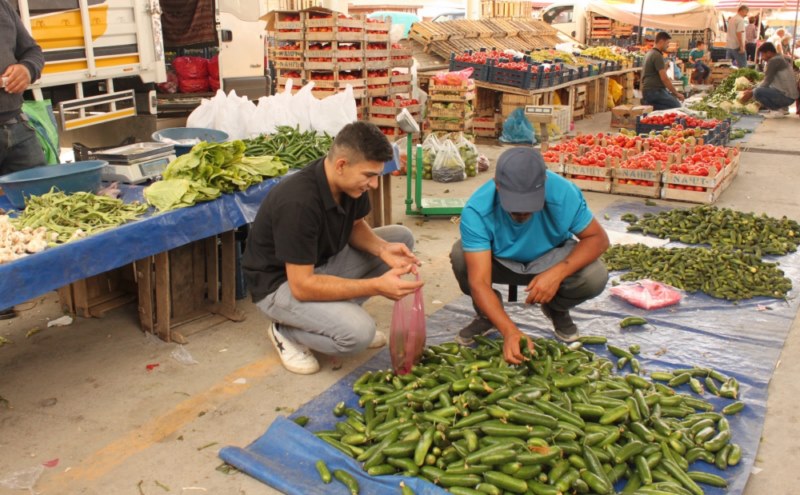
x,y
19,147
660,99
771,98
702,71
740,59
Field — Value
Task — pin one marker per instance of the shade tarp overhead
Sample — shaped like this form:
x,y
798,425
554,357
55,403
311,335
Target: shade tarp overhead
x,y
660,14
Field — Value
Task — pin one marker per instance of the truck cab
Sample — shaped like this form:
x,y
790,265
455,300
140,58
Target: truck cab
x,y
568,17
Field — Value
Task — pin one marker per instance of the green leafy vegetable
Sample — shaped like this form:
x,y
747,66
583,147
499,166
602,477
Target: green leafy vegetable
x,y
209,170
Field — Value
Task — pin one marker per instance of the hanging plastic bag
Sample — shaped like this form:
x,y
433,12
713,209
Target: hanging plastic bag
x,y
469,153
517,128
647,294
401,150
41,118
448,166
407,335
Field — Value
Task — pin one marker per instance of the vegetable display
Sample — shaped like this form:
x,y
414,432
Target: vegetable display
x,y
758,234
207,171
76,215
17,243
562,422
294,148
721,272
724,100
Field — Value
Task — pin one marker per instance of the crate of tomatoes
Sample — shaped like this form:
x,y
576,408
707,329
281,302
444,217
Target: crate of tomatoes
x,y
698,177
591,171
469,59
648,123
640,175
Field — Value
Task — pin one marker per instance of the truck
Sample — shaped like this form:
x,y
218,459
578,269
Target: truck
x,y
103,58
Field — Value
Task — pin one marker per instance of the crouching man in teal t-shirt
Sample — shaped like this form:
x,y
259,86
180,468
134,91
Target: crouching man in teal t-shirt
x,y
521,229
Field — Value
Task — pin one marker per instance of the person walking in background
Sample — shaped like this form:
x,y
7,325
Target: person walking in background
x,y
778,90
21,62
777,40
735,41
698,57
751,37
657,89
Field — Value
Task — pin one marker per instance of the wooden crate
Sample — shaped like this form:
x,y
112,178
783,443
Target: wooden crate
x,y
95,296
192,285
708,196
437,124
589,178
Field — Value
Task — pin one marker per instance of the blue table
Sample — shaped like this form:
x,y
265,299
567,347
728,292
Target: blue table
x,y
37,274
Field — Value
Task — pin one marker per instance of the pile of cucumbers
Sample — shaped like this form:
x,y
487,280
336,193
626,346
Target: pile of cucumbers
x,y
560,423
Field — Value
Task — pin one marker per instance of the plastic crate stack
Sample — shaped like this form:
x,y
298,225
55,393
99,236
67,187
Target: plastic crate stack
x,y
451,107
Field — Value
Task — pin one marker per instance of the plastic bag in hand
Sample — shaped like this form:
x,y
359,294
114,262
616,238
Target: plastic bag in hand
x,y
407,336
448,166
647,294
517,128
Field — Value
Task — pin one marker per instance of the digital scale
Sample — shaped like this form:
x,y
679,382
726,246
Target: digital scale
x,y
542,116
136,163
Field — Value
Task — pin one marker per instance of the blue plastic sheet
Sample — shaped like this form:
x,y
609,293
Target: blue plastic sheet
x,y
56,267
748,123
742,340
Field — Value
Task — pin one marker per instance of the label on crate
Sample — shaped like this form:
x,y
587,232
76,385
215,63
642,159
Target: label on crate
x,y
694,180
637,173
587,170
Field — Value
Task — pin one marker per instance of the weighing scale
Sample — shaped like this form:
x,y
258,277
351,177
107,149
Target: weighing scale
x,y
543,116
136,163
427,206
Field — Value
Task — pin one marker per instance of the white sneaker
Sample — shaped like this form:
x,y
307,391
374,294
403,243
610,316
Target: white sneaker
x,y
379,340
296,358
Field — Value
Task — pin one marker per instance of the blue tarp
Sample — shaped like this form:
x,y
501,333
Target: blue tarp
x,y
56,267
743,340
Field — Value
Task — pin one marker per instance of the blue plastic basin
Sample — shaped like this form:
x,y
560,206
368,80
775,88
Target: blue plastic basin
x,y
66,177
180,133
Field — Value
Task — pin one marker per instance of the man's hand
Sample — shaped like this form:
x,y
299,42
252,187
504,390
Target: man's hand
x,y
397,255
680,97
511,350
746,95
17,78
392,286
542,289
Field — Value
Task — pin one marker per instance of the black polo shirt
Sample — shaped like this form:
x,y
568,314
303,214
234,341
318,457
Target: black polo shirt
x,y
300,223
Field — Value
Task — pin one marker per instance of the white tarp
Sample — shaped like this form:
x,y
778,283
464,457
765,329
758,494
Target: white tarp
x,y
660,14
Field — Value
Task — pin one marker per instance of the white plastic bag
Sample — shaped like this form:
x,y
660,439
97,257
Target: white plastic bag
x,y
233,115
304,107
202,116
469,154
279,110
335,112
430,148
448,166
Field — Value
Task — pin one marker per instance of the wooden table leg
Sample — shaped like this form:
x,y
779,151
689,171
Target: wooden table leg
x,y
144,278
387,199
227,305
163,300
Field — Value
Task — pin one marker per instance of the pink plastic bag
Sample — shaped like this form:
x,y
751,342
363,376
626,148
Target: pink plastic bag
x,y
407,336
456,78
647,294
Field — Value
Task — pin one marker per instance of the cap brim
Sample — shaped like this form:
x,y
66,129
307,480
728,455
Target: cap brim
x,y
527,202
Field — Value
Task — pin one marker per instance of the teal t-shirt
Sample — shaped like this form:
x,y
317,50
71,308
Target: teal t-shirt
x,y
697,54
485,225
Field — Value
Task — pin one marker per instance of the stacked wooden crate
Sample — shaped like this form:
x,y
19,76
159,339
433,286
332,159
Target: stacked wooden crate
x,y
287,53
335,45
450,107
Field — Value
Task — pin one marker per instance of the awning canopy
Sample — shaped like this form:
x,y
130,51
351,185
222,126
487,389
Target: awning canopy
x,y
660,14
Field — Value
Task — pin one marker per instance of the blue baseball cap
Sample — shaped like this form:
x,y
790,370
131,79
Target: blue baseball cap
x,y
520,178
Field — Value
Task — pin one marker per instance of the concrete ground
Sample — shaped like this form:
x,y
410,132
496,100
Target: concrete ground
x,y
82,395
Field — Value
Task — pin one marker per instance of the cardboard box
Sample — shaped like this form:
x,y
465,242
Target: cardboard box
x,y
625,115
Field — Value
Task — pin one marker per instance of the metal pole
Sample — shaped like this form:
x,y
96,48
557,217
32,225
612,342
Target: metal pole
x,y
641,29
794,33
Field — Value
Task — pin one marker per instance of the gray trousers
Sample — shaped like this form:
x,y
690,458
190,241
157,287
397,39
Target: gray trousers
x,y
336,328
581,286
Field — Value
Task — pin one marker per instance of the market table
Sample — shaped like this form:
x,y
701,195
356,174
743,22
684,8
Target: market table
x,y
147,241
59,266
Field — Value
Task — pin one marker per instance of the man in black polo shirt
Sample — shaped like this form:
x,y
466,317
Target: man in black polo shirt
x,y
311,259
